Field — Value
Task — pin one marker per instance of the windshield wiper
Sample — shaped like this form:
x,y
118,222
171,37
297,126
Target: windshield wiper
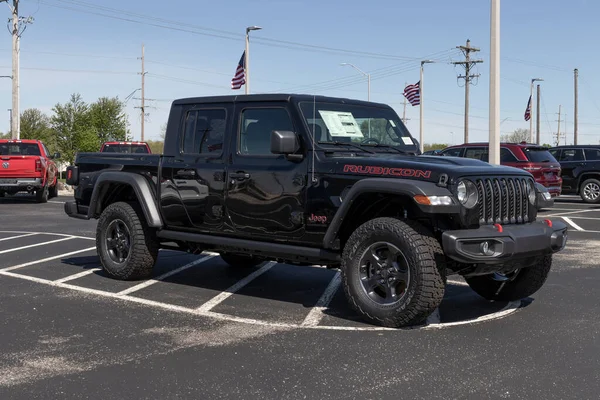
x,y
350,144
388,147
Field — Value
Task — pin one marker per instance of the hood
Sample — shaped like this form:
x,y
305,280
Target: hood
x,y
416,167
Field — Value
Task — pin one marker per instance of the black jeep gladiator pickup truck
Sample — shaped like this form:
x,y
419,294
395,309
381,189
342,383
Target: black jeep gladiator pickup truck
x,y
307,180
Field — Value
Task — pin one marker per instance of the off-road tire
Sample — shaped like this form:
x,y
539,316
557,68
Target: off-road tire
x,y
53,191
595,183
426,284
41,196
528,281
143,250
240,260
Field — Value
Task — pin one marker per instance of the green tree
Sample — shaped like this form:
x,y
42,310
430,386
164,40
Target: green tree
x,y
36,125
163,131
6,135
73,129
518,136
156,146
434,146
108,117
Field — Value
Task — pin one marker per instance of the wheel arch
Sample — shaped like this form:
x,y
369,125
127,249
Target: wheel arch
x,y
377,197
111,187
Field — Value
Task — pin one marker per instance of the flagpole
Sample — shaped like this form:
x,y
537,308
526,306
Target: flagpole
x,y
247,56
532,137
421,135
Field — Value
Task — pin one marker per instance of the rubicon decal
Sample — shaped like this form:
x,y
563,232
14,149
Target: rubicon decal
x,y
372,170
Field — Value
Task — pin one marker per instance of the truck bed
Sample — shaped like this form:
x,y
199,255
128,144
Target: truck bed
x,y
106,160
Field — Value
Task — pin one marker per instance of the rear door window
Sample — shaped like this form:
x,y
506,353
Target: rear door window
x,y
592,154
571,155
538,155
478,153
506,156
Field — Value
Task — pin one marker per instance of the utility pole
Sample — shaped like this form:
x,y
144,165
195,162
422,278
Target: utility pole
x,y
575,117
19,24
537,116
10,116
143,98
558,131
531,137
468,77
404,112
494,102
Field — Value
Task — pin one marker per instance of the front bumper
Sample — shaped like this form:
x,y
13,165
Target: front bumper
x,y
20,184
504,244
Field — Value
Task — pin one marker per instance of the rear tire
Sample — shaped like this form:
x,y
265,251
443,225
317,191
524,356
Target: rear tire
x,y
526,282
240,260
41,196
590,191
127,247
390,272
53,191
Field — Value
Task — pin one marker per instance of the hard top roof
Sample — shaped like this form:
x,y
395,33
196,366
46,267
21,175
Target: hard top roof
x,y
273,97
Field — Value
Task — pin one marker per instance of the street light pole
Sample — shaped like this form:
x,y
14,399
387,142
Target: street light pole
x,y
247,56
365,74
532,137
421,135
494,106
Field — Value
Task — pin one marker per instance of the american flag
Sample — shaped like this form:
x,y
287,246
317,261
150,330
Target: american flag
x,y
239,78
412,93
528,110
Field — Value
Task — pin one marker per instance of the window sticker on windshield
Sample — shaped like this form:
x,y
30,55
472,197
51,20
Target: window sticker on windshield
x,y
341,124
407,140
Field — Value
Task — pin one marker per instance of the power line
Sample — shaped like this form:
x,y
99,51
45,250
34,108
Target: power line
x,y
195,29
87,71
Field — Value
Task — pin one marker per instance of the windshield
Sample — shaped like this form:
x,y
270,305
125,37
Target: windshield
x,y
538,154
19,149
357,124
124,148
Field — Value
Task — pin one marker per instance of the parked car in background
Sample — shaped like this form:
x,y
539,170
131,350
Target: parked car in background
x,y
27,166
126,147
437,152
532,158
580,170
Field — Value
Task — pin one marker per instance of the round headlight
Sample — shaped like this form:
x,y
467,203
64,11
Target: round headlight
x,y
467,193
532,195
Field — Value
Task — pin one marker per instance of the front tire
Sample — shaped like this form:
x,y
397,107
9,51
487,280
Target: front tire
x,y
390,272
521,284
590,191
127,247
53,191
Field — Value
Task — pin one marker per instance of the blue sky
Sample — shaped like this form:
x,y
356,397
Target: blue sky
x,y
76,46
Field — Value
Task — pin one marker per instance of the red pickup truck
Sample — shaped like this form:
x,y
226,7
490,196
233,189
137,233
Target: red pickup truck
x,y
126,147
27,166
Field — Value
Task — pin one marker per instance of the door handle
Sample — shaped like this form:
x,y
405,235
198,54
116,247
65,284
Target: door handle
x,y
239,175
186,173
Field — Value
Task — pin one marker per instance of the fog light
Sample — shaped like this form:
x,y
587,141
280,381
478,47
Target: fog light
x,y
485,249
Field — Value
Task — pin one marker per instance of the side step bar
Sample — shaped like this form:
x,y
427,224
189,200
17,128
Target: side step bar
x,y
273,250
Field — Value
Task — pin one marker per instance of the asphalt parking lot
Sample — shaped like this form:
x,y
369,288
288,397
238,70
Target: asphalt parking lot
x,y
200,329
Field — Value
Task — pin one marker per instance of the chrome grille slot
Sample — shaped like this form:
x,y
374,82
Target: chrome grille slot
x,y
502,200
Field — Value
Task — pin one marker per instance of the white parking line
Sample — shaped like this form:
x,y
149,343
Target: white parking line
x,y
47,259
569,213
35,245
52,234
17,237
573,224
316,314
237,286
77,276
163,276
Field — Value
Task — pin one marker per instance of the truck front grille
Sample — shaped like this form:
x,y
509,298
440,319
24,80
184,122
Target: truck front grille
x,y
503,200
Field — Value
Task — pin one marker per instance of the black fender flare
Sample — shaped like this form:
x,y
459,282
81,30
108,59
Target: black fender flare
x,y
141,188
406,187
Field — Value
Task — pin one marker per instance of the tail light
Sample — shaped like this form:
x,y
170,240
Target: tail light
x,y
38,165
70,174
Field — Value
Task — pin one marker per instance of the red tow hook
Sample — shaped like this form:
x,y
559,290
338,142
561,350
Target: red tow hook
x,y
548,222
499,227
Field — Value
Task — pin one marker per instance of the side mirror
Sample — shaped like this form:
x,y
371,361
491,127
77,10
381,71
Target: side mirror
x,y
56,156
284,142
